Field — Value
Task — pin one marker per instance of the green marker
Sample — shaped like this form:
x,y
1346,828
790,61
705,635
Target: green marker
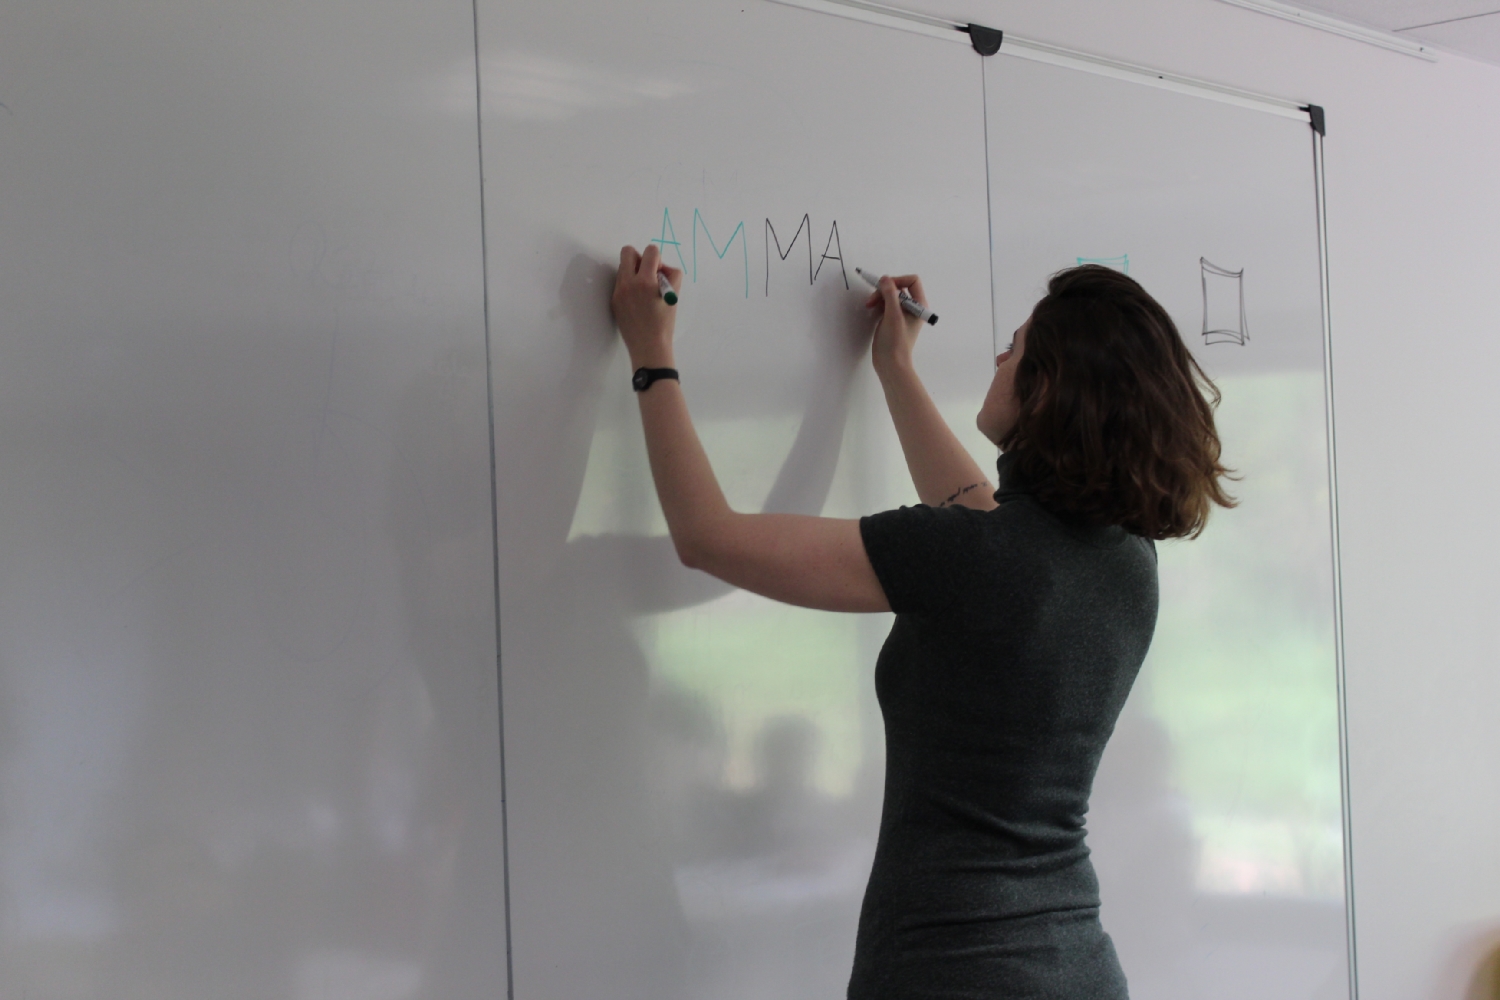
x,y
667,294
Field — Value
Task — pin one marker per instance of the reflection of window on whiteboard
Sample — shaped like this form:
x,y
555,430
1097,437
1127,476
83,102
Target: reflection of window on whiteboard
x,y
1120,263
1223,305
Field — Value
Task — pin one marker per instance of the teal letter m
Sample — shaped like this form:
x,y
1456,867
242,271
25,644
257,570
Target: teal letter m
x,y
738,231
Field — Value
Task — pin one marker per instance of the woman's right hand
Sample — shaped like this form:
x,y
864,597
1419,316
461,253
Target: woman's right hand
x,y
645,321
896,333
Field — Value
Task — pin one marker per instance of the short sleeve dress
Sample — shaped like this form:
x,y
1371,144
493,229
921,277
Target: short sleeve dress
x,y
1018,634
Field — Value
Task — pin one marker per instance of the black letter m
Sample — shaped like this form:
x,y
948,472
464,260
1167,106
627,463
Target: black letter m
x,y
783,254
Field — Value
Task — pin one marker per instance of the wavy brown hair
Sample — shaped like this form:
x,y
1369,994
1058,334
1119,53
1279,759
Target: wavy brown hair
x,y
1116,422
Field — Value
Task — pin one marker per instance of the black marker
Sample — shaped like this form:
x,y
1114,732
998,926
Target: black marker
x,y
908,303
667,293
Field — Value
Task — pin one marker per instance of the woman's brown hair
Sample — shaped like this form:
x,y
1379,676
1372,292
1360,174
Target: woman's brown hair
x,y
1116,419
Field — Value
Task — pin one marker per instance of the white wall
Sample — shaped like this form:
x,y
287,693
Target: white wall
x,y
1414,250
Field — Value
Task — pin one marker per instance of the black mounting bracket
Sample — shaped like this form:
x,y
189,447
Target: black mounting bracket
x,y
986,40
1315,116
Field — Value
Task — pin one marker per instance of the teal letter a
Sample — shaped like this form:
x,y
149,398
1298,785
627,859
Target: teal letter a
x,y
666,230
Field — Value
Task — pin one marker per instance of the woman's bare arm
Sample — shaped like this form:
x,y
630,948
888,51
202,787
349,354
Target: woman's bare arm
x,y
942,469
815,562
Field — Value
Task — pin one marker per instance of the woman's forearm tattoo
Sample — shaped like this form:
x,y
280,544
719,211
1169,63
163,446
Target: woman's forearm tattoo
x,y
971,486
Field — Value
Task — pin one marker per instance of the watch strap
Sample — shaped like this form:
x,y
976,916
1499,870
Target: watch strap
x,y
643,377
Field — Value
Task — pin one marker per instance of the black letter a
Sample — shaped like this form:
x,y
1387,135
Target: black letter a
x,y
833,240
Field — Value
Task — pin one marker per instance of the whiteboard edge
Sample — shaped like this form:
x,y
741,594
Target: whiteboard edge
x,y
1338,26
989,210
1056,55
489,392
884,17
1346,812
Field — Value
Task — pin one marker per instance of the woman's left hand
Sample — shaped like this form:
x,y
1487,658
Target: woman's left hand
x,y
644,318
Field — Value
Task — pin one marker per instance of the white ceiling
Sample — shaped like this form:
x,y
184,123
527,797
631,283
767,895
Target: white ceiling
x,y
1471,27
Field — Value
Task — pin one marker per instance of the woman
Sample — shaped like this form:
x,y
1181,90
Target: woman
x,y
1022,615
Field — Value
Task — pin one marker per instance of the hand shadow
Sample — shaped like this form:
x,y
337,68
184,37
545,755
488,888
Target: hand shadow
x,y
658,582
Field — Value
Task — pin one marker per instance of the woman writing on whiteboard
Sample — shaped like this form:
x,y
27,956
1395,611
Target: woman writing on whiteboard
x,y
1022,614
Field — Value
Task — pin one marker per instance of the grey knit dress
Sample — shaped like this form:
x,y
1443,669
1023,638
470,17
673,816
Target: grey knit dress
x,y
1018,635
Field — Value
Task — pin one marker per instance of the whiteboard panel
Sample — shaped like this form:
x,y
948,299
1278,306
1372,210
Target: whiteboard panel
x,y
693,774
248,744
1215,821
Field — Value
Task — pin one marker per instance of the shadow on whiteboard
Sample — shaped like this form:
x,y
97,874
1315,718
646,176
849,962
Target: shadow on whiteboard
x,y
605,873
768,877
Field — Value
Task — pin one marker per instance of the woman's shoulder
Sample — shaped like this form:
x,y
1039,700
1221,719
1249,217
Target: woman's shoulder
x,y
923,555
922,525
1014,515
934,558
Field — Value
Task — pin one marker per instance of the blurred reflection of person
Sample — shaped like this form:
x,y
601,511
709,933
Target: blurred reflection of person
x,y
768,876
439,516
784,826
785,816
1022,615
686,769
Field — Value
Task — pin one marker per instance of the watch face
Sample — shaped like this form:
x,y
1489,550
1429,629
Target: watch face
x,y
640,379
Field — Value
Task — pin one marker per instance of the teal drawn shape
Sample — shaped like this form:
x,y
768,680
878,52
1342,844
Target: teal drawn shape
x,y
1120,263
739,231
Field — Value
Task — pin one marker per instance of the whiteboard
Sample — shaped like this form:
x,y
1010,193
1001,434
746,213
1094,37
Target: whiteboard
x,y
693,775
249,735
1216,816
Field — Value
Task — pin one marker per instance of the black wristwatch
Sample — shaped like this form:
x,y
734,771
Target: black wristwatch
x,y
643,377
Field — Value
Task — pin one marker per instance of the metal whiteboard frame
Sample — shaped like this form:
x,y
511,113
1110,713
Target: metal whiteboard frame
x,y
489,395
1286,12
1025,48
1338,572
1338,26
872,12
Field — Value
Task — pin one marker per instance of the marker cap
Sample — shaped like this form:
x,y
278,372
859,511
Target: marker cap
x,y
668,294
